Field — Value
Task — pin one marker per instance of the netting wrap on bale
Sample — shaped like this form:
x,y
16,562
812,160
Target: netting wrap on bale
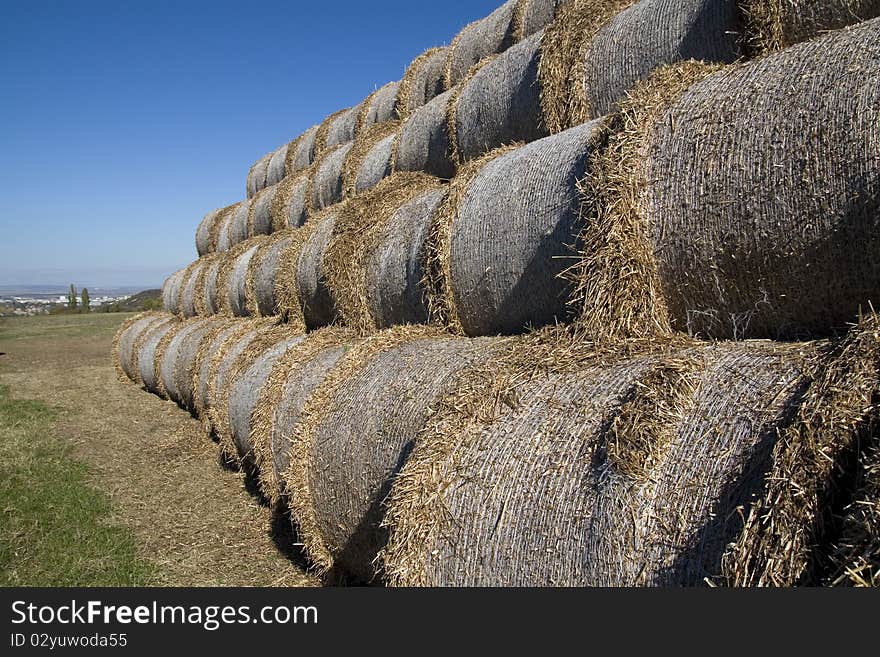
x,y
205,230
232,279
497,250
171,289
697,222
369,159
125,339
262,273
355,433
301,152
247,375
500,104
277,168
301,284
187,357
618,468
373,264
338,128
777,24
209,345
235,227
478,40
167,355
145,352
379,107
293,379
187,299
289,207
260,219
423,143
207,300
325,179
256,177
532,16
422,81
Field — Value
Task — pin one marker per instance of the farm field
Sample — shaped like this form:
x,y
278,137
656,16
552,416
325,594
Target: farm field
x,y
117,487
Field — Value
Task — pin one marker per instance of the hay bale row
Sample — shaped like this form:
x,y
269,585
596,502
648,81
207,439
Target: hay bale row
x,y
640,466
478,40
123,349
355,432
497,250
373,263
741,202
422,81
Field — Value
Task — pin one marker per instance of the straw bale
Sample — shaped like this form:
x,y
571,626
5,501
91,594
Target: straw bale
x,y
422,81
487,36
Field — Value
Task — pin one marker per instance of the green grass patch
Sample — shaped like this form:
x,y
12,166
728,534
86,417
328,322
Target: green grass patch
x,y
51,326
56,529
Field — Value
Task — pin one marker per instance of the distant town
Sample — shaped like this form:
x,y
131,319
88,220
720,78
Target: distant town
x,y
37,300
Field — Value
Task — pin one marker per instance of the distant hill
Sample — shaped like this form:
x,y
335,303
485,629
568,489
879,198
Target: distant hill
x,y
146,300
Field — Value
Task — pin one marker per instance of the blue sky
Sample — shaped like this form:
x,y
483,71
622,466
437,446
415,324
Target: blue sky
x,y
123,123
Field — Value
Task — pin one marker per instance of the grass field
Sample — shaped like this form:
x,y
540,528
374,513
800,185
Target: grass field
x,y
104,484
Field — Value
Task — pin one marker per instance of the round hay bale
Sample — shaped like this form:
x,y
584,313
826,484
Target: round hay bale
x,y
187,300
355,433
777,24
124,340
276,170
171,291
208,346
260,220
325,179
146,346
651,34
235,228
487,36
205,230
167,355
369,159
206,298
500,104
262,272
256,178
699,221
789,526
338,128
423,143
301,151
293,379
219,368
532,16
217,227
301,285
373,264
422,81
246,378
497,251
378,107
186,365
234,276
619,469
561,65
288,208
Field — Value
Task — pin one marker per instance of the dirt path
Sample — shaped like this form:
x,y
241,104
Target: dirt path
x,y
193,518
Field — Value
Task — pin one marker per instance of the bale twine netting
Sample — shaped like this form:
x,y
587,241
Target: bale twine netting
x,y
207,300
234,229
186,298
301,152
354,434
167,354
640,465
171,289
233,276
379,107
293,379
423,143
145,352
325,179
369,159
497,249
289,207
262,273
777,24
207,347
205,232
187,358
237,397
500,104
487,36
124,341
301,283
422,81
742,204
374,262
216,365
532,16
277,168
261,220
337,129
598,49
256,177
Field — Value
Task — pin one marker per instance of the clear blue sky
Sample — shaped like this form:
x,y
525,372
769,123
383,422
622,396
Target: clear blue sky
x,y
123,123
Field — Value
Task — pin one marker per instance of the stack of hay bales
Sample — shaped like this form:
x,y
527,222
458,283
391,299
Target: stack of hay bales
x,y
466,321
